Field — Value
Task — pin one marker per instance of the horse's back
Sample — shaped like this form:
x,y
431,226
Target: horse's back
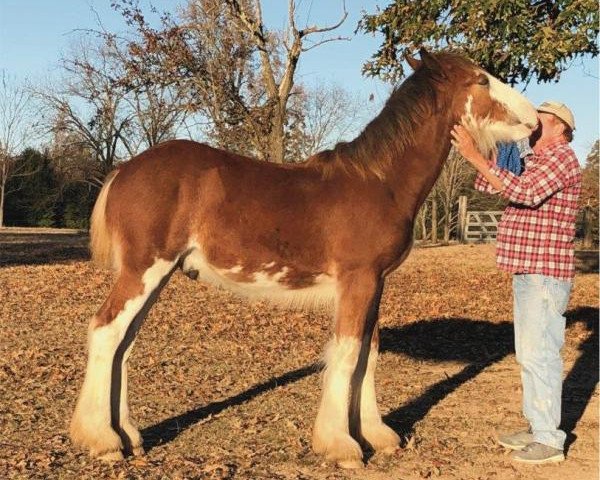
x,y
181,190
151,198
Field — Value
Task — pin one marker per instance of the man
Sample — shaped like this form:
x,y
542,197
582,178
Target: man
x,y
535,244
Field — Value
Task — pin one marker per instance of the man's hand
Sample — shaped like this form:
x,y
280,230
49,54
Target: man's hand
x,y
465,145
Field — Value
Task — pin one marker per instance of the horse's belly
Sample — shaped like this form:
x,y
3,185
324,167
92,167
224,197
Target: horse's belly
x,y
274,283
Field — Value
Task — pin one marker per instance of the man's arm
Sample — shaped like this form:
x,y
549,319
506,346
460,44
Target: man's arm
x,y
482,185
465,145
540,181
532,188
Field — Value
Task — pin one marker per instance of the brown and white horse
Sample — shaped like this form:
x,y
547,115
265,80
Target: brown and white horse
x,y
327,231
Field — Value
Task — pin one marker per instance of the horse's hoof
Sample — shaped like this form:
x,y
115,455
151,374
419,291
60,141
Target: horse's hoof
x,y
350,464
111,457
138,451
381,437
389,450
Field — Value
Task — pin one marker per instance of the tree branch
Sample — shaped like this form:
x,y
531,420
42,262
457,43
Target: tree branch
x,y
327,40
314,29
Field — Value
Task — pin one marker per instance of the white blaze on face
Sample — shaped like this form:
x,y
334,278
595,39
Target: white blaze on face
x,y
487,131
517,105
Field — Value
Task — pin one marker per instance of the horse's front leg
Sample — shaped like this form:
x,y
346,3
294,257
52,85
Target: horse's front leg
x,y
346,359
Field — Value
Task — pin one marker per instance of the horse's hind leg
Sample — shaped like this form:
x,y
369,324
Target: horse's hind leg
x,y
101,419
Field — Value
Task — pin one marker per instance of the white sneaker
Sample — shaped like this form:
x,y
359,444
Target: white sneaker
x,y
516,441
537,453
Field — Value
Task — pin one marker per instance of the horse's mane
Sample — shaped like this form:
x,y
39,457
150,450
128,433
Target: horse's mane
x,y
389,134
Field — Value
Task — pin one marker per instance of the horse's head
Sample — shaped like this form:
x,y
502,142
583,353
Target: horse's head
x,y
491,110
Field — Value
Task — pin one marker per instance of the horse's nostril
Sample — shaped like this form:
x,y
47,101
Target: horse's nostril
x,y
531,125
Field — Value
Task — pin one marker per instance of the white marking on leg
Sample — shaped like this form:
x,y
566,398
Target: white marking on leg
x,y
124,419
331,433
369,412
91,424
377,433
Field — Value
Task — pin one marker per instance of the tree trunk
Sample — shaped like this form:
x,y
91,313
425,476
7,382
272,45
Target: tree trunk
x,y
434,220
462,219
447,230
447,218
2,189
277,141
587,228
3,180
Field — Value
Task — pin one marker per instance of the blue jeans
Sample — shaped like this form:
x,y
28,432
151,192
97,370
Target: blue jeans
x,y
539,305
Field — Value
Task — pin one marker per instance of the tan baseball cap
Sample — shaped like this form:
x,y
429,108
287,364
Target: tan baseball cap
x,y
560,110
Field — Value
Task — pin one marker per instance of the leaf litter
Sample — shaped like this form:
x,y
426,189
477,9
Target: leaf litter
x,y
222,388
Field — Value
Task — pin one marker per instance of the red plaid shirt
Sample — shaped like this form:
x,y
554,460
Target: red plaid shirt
x,y
537,229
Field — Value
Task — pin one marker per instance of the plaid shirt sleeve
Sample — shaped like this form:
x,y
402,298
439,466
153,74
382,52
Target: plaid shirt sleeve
x,y
545,176
482,185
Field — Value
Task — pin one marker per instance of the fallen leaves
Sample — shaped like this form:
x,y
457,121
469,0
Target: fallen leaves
x,y
225,389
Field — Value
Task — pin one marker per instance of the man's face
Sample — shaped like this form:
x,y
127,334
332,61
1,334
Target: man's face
x,y
549,128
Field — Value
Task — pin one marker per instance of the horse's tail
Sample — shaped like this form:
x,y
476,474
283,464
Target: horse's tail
x,y
358,376
101,241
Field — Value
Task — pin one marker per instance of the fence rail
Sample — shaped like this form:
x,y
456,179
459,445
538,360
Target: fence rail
x,y
481,226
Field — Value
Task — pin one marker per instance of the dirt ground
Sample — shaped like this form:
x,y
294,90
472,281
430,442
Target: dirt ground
x,y
222,388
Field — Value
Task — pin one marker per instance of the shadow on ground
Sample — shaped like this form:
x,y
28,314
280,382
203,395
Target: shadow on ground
x,y
42,248
477,343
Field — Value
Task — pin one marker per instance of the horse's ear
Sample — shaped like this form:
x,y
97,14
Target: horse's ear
x,y
413,62
430,61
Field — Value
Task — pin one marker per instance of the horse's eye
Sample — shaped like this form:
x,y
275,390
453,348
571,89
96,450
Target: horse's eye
x,y
483,80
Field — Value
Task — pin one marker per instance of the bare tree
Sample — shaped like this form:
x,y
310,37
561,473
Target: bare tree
x,y
16,124
91,107
155,110
229,66
434,218
156,114
248,16
421,221
329,115
73,160
452,180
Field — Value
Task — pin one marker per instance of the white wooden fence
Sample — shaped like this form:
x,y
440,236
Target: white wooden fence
x,y
476,225
481,226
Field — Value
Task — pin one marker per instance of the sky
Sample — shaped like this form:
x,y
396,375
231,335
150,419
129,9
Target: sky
x,y
34,34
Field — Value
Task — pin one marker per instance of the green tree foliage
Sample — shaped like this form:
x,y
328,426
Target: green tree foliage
x,y
42,198
590,178
32,197
588,200
516,40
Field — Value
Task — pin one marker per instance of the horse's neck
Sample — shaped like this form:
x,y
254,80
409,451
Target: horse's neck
x,y
412,175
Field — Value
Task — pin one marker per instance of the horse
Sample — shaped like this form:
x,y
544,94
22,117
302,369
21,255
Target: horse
x,y
325,232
